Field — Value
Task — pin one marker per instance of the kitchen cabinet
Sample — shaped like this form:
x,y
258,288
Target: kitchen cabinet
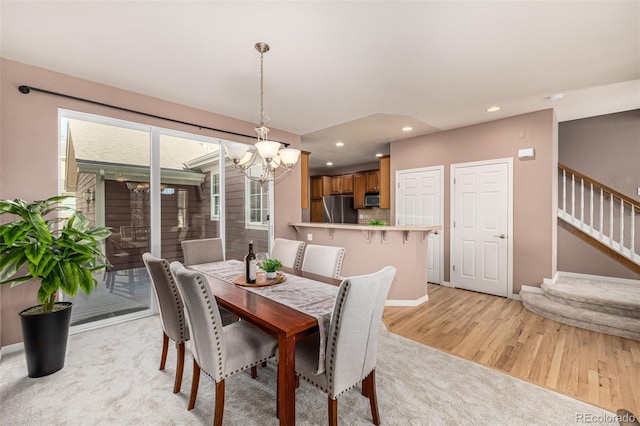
x,y
316,211
359,184
304,179
372,181
385,182
347,183
342,184
320,186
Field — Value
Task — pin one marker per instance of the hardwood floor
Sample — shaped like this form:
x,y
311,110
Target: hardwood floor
x,y
499,333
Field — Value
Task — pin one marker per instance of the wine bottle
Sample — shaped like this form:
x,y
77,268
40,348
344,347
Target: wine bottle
x,y
250,265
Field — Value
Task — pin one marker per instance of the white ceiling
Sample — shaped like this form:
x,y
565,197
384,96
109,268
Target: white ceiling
x,y
349,71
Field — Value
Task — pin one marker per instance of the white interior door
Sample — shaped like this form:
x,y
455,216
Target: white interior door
x,y
419,203
481,206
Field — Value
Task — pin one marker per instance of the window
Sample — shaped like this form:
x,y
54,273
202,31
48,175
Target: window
x,y
257,204
215,196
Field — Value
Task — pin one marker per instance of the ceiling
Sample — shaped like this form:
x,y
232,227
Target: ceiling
x,y
355,72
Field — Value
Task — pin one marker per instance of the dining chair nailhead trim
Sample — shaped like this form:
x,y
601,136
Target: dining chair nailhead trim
x,y
178,301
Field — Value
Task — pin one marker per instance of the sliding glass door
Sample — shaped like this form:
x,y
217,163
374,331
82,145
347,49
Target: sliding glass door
x,y
153,187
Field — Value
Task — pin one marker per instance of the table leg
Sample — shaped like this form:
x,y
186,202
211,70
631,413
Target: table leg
x,y
286,380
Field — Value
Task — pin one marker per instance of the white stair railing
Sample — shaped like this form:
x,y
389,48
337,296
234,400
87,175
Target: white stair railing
x,y
612,217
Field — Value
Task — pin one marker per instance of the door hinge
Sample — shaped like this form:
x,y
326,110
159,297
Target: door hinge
x,y
454,223
454,181
454,268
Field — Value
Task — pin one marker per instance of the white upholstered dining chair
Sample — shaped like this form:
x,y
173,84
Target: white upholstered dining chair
x,y
323,260
218,351
352,341
289,252
204,250
174,325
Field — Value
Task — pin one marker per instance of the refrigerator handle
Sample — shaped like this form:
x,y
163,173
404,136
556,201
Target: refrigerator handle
x,y
326,209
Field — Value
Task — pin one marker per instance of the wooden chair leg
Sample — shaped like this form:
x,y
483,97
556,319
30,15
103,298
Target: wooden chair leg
x,y
195,380
217,415
165,348
369,383
333,411
179,367
254,372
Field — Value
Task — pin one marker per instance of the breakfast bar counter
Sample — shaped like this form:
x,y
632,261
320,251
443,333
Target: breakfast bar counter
x,y
369,248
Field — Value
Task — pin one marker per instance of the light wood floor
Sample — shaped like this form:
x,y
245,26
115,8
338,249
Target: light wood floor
x,y
499,333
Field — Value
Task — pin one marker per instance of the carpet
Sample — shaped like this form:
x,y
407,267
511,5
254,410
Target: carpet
x,y
111,377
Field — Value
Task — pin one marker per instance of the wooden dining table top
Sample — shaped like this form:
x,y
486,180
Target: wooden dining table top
x,y
266,313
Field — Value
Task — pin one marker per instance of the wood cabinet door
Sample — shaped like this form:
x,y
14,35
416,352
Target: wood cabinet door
x,y
359,181
373,181
385,182
316,211
336,184
316,187
347,184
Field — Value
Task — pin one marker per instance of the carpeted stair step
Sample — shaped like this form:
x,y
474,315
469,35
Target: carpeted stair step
x,y
618,298
580,317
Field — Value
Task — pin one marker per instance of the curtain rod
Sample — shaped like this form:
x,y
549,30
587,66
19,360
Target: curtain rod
x,y
27,89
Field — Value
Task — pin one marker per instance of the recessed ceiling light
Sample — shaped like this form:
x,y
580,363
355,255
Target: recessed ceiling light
x,y
556,97
329,163
379,155
493,109
407,129
339,143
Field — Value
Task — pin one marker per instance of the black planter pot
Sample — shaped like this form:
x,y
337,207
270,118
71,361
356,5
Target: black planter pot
x,y
45,339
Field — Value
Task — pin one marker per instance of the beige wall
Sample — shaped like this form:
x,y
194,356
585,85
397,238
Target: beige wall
x,y
29,150
534,185
607,149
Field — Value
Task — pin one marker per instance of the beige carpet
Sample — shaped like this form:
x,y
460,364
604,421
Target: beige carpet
x,y
111,377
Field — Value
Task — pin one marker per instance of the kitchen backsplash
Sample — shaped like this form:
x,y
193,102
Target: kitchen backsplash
x,y
374,213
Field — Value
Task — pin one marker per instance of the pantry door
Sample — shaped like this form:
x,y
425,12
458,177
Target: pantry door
x,y
420,203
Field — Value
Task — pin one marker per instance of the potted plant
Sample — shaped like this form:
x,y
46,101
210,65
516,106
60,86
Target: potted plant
x,y
60,253
271,267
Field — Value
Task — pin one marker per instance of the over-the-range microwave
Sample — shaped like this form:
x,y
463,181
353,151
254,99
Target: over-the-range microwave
x,y
372,200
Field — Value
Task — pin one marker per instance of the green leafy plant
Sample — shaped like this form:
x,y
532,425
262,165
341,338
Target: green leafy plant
x,y
377,223
60,252
271,265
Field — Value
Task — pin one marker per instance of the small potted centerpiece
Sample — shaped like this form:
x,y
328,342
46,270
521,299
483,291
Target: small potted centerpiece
x,y
271,267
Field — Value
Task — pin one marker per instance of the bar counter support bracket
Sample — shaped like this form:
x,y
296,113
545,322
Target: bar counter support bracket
x,y
383,236
330,233
368,234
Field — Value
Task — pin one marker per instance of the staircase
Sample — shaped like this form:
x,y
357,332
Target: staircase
x,y
606,219
609,306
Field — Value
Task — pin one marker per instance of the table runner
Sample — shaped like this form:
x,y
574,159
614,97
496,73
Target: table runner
x,y
303,294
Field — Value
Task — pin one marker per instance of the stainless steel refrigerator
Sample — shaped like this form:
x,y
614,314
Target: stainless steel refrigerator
x,y
339,209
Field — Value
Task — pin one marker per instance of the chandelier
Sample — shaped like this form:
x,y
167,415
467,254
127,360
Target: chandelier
x,y
277,160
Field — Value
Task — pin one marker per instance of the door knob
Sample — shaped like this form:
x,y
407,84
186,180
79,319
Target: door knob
x,y
501,236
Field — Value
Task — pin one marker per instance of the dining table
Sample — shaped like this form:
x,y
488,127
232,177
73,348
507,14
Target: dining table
x,y
300,305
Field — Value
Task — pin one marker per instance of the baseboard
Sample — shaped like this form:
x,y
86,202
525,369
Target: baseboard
x,y
597,277
10,349
416,302
531,289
